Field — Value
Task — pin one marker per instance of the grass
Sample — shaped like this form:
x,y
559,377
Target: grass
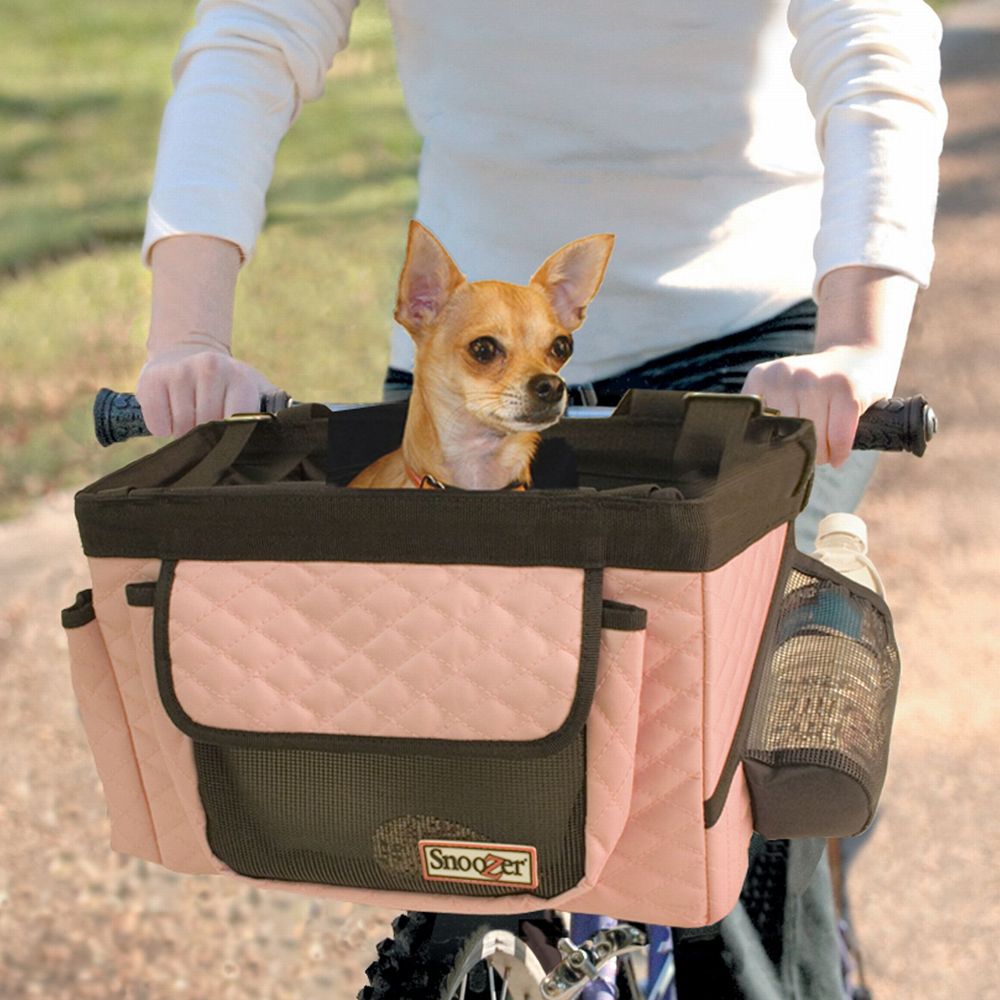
x,y
82,89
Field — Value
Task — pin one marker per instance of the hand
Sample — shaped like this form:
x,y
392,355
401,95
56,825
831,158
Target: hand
x,y
192,383
190,376
864,315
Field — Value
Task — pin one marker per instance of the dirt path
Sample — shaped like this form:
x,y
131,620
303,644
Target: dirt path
x,y
80,923
927,890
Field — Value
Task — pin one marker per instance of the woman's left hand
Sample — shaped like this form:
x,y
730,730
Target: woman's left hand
x,y
863,318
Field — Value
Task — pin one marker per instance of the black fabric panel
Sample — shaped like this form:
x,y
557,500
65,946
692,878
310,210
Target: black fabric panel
x,y
354,819
792,799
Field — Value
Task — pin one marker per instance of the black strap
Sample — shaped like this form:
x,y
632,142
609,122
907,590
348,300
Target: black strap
x,y
237,434
227,449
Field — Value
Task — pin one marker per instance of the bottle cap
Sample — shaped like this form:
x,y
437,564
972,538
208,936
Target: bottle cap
x,y
843,524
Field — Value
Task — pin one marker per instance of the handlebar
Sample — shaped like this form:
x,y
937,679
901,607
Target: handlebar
x,y
898,424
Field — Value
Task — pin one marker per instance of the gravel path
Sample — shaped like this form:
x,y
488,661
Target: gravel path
x,y
78,922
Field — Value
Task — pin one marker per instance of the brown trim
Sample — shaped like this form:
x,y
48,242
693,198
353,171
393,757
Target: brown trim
x,y
716,802
619,617
81,612
311,521
797,798
743,473
590,638
140,595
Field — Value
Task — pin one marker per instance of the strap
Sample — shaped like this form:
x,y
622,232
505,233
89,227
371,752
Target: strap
x,y
237,434
227,449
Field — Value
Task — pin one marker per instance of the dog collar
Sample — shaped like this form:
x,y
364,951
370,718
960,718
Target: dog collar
x,y
428,482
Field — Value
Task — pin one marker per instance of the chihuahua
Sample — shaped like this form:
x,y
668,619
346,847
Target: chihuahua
x,y
485,377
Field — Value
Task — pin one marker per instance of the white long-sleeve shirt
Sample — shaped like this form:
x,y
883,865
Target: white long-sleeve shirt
x,y
738,149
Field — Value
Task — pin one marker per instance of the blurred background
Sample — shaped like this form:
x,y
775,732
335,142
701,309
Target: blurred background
x,y
82,87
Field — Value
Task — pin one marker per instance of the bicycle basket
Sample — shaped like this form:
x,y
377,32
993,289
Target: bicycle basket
x,y
466,702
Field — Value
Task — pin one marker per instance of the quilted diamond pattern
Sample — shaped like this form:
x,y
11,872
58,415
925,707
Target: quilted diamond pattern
x,y
611,734
187,837
661,865
735,612
104,723
164,835
378,650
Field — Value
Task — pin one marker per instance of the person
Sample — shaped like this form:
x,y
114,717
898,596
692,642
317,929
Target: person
x,y
769,169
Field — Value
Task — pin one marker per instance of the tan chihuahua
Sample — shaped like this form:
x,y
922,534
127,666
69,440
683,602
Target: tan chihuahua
x,y
485,377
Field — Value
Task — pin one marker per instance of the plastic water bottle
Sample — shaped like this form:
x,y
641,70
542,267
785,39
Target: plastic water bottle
x,y
824,685
842,544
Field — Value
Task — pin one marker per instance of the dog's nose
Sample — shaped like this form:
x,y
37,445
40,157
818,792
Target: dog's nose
x,y
547,388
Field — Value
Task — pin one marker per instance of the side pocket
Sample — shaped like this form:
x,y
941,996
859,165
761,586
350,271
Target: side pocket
x,y
818,746
107,732
612,729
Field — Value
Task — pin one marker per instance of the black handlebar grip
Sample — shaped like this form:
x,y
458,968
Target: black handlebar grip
x,y
897,425
118,416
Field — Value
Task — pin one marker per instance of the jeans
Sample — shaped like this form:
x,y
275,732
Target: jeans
x,y
783,948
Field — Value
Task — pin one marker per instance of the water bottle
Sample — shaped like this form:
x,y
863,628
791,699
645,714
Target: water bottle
x,y
824,683
842,544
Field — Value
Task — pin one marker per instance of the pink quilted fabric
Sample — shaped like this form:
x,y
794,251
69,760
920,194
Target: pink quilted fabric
x,y
477,652
159,829
650,856
104,722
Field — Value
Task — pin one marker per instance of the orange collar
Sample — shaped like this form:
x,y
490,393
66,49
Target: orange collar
x,y
428,482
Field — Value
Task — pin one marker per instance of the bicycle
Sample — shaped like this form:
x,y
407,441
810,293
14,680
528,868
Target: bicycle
x,y
530,956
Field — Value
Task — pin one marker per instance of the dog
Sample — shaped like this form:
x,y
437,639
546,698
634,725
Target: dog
x,y
488,354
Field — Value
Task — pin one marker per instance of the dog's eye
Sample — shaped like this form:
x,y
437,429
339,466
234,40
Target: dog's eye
x,y
485,349
562,348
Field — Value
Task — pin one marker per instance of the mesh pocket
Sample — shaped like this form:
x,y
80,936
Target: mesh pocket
x,y
818,744
356,819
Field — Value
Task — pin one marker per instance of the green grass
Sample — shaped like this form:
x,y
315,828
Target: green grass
x,y
82,89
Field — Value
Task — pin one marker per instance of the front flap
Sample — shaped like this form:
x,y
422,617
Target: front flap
x,y
487,660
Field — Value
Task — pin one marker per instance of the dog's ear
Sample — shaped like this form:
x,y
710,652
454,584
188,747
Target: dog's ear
x,y
428,278
571,276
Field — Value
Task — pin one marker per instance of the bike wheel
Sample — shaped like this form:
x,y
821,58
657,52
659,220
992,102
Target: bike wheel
x,y
482,964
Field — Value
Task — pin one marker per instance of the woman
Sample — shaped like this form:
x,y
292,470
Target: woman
x,y
769,171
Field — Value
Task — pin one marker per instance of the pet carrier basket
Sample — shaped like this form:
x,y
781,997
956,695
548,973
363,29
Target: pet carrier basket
x,y
583,697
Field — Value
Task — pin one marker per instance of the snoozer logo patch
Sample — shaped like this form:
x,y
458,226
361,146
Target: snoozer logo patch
x,y
491,864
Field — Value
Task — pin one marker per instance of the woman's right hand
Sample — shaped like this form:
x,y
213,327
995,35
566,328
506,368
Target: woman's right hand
x,y
192,383
191,375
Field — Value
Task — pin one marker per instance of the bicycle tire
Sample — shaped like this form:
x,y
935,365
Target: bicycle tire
x,y
404,962
415,964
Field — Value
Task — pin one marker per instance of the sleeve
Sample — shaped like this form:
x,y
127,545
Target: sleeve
x,y
871,70
240,79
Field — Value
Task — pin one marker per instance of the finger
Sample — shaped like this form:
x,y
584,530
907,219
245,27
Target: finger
x,y
242,396
210,395
155,403
182,407
816,408
772,382
842,425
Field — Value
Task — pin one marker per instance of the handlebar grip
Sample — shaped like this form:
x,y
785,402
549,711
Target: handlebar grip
x,y
118,416
897,425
